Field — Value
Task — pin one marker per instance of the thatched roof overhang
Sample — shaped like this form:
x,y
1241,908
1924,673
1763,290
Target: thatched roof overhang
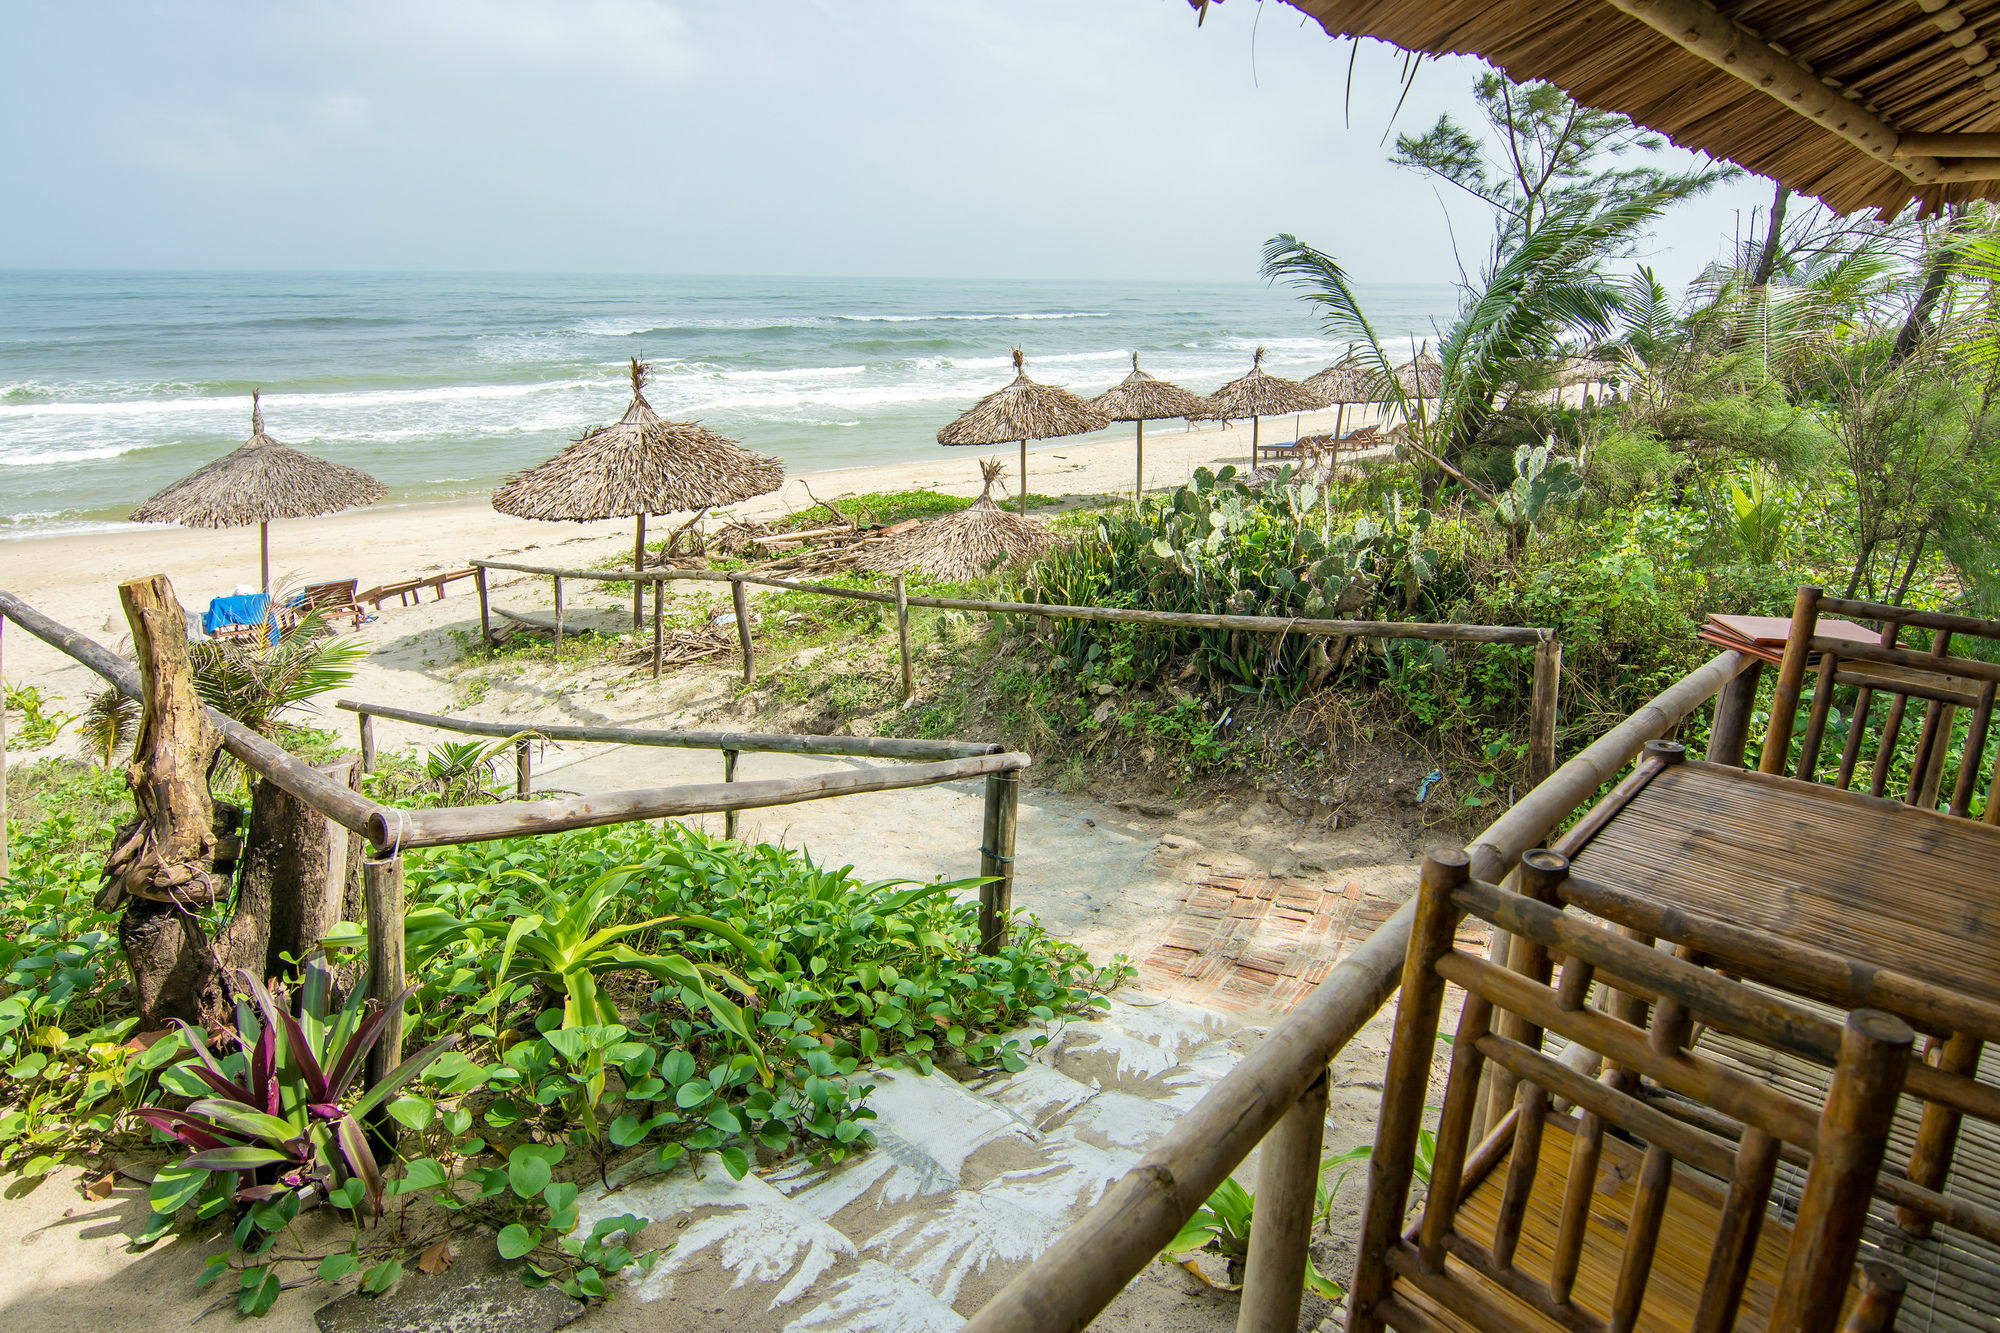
x,y
1860,104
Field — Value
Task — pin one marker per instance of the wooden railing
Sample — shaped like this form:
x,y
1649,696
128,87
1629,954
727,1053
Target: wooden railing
x,y
1281,1084
949,761
1542,708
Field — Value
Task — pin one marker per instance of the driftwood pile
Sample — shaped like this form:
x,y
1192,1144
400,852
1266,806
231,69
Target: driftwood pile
x,y
684,647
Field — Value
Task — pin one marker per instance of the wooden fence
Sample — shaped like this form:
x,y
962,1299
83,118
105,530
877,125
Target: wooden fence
x,y
1280,1086
1542,708
393,830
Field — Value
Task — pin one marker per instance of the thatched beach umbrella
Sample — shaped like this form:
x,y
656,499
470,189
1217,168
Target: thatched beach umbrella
x,y
968,543
1023,411
1139,398
1342,383
1258,394
642,464
1421,376
258,482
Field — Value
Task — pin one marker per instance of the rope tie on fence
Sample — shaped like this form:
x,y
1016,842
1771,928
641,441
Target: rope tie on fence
x,y
988,851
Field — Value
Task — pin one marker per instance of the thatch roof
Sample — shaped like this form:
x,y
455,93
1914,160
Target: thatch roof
x,y
1583,370
1344,381
258,482
1258,394
1859,103
966,544
642,464
1421,376
1140,397
1024,410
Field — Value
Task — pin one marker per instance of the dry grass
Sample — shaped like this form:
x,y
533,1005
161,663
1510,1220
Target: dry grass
x,y
258,482
640,465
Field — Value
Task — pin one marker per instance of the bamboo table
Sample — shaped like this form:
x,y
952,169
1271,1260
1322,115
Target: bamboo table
x,y
1837,896
1912,892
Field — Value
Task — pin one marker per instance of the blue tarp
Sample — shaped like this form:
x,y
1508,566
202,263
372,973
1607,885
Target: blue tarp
x,y
226,611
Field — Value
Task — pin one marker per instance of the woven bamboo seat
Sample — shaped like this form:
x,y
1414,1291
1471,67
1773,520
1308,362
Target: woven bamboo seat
x,y
1693,1216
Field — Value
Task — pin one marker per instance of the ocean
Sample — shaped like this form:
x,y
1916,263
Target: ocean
x,y
113,384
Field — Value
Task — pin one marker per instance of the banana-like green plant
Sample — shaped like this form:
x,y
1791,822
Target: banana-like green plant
x,y
1761,516
563,948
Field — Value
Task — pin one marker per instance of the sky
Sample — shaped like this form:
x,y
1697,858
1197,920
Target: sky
x,y
951,138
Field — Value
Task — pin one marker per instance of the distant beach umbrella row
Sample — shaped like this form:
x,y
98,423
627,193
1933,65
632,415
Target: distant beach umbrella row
x,y
641,464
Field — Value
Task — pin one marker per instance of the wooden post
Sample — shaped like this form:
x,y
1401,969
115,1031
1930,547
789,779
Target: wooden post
x,y
638,563
1281,1226
729,775
523,770
1729,733
996,858
1253,444
1405,1083
4,870
382,887
485,617
1139,486
1881,1296
1853,1132
1791,679
264,564
1937,1134
559,616
367,722
741,601
903,638
659,593
1543,708
1024,477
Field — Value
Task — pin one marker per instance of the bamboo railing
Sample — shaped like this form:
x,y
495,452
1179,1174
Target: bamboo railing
x,y
1542,708
1280,1085
393,830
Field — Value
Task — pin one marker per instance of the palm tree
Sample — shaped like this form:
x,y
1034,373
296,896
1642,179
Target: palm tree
x,y
254,684
1549,287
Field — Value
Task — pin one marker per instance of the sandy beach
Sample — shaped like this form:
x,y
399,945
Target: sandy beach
x,y
74,578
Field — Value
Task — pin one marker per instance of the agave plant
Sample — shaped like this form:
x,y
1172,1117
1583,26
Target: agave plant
x,y
284,1125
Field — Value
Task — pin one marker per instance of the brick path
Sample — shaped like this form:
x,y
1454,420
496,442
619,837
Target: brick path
x,y
1245,941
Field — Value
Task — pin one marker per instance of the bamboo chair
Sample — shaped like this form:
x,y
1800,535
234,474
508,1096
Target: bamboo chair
x,y
1945,683
1619,1217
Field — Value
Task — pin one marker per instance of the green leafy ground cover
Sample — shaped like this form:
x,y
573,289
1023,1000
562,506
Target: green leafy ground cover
x,y
576,1000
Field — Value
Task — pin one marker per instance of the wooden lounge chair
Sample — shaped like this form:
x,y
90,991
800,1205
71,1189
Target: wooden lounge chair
x,y
407,591
331,600
1616,1216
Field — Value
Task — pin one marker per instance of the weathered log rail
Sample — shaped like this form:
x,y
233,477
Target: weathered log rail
x,y
1542,709
1279,1086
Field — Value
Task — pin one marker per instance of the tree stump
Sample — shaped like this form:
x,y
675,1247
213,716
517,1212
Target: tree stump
x,y
299,872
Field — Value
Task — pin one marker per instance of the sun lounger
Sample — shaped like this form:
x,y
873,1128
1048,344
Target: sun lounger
x,y
243,617
406,591
331,600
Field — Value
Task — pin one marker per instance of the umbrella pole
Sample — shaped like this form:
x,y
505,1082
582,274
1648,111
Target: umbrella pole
x,y
1253,444
638,563
1139,487
1024,478
264,567
1339,415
